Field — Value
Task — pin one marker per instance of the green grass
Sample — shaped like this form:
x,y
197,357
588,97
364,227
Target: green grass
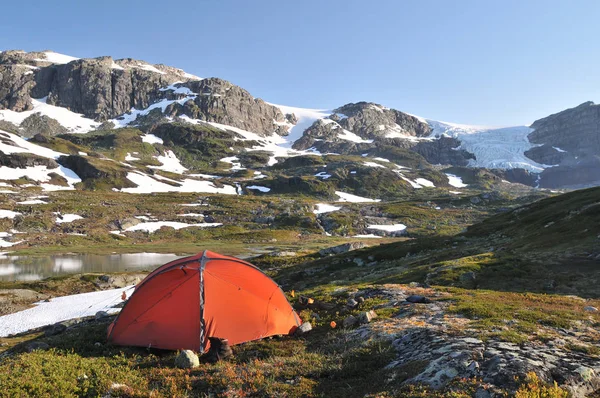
x,y
515,316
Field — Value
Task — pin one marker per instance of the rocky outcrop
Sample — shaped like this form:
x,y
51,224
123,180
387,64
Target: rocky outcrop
x,y
220,101
16,82
574,129
443,151
100,88
344,248
520,176
325,136
97,174
370,120
546,154
570,142
41,124
573,173
369,123
24,160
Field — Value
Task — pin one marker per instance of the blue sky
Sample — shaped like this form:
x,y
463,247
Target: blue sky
x,y
479,62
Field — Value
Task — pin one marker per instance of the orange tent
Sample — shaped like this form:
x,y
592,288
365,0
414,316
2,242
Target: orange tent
x,y
183,303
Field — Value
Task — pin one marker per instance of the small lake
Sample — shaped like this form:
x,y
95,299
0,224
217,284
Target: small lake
x,y
29,268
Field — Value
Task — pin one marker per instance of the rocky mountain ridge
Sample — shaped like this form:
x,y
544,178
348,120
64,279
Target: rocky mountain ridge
x,y
106,93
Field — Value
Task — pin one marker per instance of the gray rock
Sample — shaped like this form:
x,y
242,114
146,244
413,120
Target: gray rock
x,y
418,299
101,315
187,359
283,254
443,151
346,247
367,316
303,329
128,222
482,393
24,160
589,308
349,321
358,261
37,345
41,124
55,329
351,303
468,280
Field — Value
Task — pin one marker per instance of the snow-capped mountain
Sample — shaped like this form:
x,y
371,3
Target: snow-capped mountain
x,y
47,94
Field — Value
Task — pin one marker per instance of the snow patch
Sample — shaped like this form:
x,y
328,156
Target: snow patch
x,y
33,202
152,139
367,236
306,117
323,175
388,228
130,158
154,226
56,58
455,181
259,188
60,309
234,161
347,197
424,182
373,164
169,163
325,208
73,122
65,218
8,214
147,184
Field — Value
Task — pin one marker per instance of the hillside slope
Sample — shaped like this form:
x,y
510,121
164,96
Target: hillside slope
x,y
552,246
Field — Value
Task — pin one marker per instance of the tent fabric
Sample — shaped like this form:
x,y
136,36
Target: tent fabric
x,y
183,303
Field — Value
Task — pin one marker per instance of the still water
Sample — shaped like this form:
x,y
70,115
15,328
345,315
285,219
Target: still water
x,y
28,268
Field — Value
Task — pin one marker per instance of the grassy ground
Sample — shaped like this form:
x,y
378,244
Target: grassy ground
x,y
328,362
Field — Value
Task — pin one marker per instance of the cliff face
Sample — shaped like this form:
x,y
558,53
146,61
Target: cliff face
x,y
576,129
217,100
103,88
570,142
98,88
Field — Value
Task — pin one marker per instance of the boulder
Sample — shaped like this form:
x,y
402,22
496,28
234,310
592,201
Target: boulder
x,y
468,280
303,329
101,315
37,345
187,359
55,329
417,299
589,308
128,222
283,254
41,124
367,316
349,321
351,303
344,248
